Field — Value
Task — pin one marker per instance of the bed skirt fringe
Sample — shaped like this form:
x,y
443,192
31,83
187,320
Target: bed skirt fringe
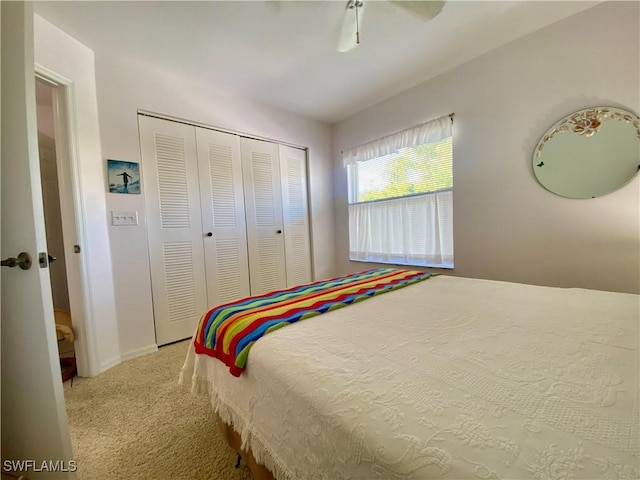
x,y
250,442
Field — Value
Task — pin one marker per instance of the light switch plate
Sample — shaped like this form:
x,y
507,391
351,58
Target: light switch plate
x,y
119,219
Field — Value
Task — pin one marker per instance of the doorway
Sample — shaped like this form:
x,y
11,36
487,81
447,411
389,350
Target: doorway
x,y
66,278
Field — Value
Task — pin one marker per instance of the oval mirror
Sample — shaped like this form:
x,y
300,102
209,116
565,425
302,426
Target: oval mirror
x,y
589,153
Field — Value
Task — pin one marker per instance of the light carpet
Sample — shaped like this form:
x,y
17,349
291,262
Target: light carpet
x,y
135,422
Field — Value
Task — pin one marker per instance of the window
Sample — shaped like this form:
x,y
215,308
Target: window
x,y
400,197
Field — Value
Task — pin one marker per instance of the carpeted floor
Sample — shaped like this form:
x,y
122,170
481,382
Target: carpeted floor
x,y
135,422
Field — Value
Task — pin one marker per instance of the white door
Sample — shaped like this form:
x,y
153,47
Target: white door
x,y
223,220
295,210
263,204
34,421
172,195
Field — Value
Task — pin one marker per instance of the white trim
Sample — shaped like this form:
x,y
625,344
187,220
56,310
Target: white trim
x,y
130,355
139,352
110,364
161,116
66,136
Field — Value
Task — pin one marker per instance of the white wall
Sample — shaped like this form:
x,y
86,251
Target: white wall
x,y
123,88
66,57
506,226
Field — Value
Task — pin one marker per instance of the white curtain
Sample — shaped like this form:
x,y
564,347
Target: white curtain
x,y
414,230
429,132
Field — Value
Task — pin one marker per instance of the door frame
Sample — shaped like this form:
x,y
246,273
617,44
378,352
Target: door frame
x,y
73,225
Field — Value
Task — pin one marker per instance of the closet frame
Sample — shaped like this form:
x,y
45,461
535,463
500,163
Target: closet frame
x,y
227,217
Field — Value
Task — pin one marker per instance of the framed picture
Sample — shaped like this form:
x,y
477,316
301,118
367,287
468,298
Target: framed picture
x,y
124,177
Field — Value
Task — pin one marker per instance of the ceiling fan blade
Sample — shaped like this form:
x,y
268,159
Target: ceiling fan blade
x,y
348,39
425,10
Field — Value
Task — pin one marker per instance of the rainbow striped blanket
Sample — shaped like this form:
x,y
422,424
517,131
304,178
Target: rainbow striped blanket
x,y
228,331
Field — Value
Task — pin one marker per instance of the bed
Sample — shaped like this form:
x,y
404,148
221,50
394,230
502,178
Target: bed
x,y
449,377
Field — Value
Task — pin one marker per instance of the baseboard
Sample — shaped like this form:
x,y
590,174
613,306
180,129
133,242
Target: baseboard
x,y
139,352
110,363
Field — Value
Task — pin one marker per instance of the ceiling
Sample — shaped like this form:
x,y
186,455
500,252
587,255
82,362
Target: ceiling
x,y
283,53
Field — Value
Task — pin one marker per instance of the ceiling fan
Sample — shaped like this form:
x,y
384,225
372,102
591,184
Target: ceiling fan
x,y
350,31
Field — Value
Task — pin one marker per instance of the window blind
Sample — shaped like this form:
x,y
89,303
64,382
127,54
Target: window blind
x,y
401,202
422,169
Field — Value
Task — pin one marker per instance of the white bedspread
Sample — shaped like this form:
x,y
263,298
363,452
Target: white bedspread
x,y
449,378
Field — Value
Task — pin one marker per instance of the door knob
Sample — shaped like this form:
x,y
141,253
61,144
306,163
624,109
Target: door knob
x,y
209,234
279,231
23,261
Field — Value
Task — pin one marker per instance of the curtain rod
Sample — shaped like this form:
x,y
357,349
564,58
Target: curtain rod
x,y
451,115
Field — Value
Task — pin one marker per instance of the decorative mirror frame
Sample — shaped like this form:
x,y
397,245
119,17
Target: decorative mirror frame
x,y
585,124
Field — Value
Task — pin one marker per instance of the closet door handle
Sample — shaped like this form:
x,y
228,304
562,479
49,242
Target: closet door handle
x,y
209,234
279,231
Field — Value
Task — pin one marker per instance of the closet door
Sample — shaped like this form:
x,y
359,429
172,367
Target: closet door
x,y
172,195
263,206
295,210
223,220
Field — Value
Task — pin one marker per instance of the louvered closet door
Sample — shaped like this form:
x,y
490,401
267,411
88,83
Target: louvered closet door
x,y
295,210
263,206
172,194
221,191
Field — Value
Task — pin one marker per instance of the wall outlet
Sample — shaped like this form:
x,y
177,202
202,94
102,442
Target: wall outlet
x,y
119,219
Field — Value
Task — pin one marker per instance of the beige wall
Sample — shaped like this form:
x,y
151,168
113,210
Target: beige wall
x,y
506,226
91,293
53,219
124,87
